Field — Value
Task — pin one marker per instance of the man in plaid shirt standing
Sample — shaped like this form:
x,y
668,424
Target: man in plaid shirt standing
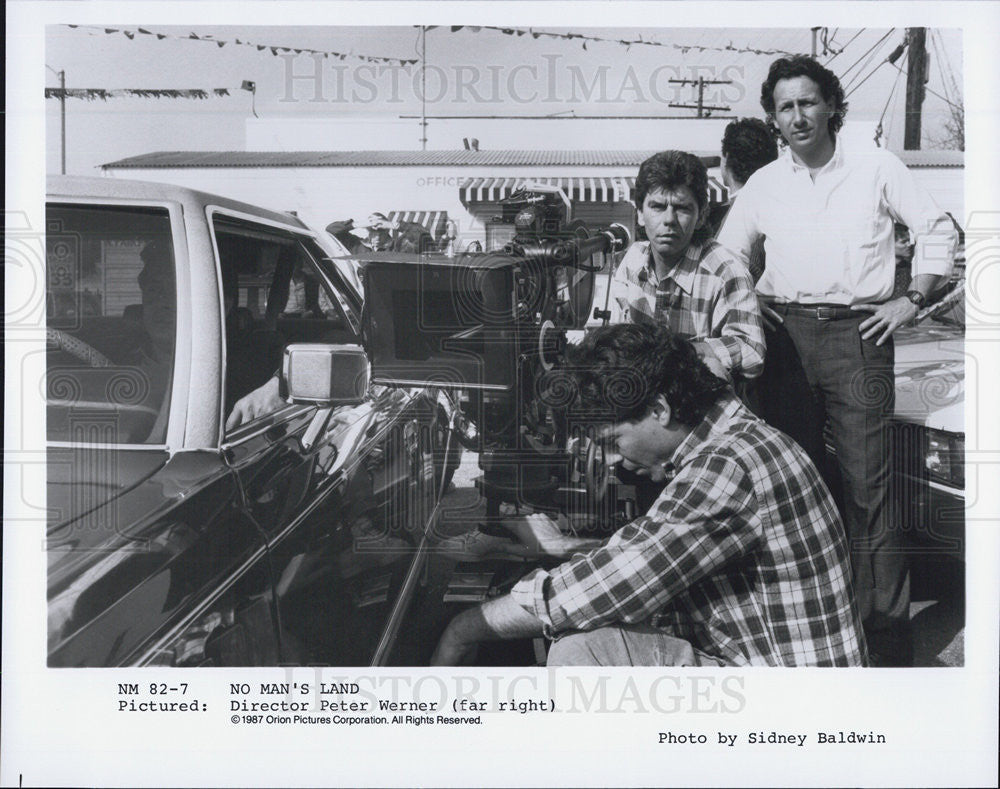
x,y
681,278
740,561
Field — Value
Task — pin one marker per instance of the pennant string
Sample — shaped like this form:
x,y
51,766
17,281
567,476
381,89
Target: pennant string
x,y
684,48
92,94
406,62
274,49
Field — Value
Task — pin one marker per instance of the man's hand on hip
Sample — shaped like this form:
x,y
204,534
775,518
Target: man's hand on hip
x,y
770,318
885,318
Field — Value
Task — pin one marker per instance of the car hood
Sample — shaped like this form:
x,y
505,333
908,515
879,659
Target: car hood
x,y
930,376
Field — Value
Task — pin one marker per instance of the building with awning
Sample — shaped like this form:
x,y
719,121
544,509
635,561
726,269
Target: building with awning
x,y
435,186
429,187
432,221
582,190
598,201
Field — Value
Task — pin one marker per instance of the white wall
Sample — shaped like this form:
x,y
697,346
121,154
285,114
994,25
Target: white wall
x,y
320,195
377,132
361,133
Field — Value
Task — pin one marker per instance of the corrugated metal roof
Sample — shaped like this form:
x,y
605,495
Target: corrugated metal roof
x,y
505,158
932,158
185,159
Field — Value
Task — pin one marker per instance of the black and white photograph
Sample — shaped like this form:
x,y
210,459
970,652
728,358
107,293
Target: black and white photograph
x,y
424,393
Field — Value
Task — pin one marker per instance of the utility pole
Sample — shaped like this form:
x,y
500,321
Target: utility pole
x,y
916,74
62,115
62,119
701,82
423,87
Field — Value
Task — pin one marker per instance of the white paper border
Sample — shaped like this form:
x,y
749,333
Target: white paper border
x,y
56,727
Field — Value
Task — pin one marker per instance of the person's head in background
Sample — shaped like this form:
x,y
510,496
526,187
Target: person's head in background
x,y
159,298
747,145
379,231
342,231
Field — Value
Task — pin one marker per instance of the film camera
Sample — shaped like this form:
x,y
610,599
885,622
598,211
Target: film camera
x,y
487,328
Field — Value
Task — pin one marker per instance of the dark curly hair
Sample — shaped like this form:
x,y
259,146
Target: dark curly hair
x,y
748,144
804,66
669,169
620,370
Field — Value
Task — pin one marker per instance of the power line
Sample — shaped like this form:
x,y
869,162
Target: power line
x,y
937,60
853,38
947,60
855,85
894,114
942,62
870,75
868,56
933,92
828,40
892,92
844,74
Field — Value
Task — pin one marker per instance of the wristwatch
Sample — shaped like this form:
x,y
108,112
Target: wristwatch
x,y
917,298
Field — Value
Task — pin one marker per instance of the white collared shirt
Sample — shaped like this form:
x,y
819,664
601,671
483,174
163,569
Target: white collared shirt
x,y
829,238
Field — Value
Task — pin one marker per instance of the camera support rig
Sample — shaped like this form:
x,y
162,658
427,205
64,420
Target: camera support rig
x,y
487,327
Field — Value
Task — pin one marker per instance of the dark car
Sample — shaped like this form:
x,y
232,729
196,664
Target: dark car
x,y
172,541
928,430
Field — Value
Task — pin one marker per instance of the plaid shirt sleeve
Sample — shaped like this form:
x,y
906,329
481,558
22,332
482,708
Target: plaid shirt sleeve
x,y
737,335
704,519
627,292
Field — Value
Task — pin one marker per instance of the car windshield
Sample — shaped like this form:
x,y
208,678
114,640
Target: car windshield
x,y
111,314
950,308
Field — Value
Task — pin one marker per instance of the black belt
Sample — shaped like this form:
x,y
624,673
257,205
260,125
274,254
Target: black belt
x,y
819,312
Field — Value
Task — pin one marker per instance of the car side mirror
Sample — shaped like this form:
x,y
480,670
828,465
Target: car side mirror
x,y
326,375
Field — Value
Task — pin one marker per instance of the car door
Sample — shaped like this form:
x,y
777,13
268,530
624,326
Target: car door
x,y
334,514
151,557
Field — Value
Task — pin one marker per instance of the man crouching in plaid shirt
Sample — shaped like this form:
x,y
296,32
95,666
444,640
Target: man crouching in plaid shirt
x,y
683,279
741,561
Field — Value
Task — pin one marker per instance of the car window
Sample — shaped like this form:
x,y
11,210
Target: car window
x,y
947,306
339,256
275,294
111,314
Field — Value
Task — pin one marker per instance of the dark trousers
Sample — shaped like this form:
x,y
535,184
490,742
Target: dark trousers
x,y
818,371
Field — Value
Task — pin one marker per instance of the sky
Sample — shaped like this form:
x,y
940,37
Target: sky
x,y
470,71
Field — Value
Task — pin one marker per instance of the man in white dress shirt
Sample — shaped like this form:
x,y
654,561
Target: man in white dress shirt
x,y
826,212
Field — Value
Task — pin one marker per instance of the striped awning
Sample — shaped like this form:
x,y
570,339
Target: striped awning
x,y
585,190
578,189
432,221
